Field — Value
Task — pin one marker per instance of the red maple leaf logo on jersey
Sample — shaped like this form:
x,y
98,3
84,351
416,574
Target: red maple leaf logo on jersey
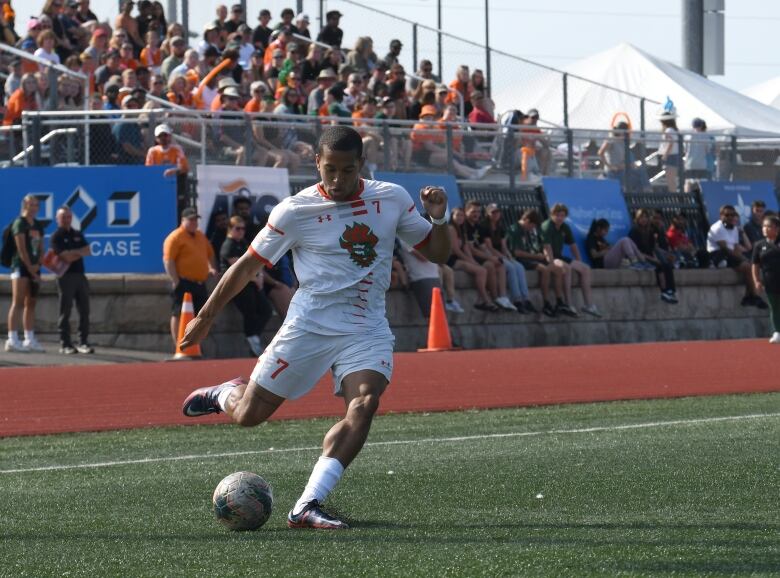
x,y
360,242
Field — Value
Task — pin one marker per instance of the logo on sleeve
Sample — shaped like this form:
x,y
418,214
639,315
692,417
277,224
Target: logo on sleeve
x,y
359,241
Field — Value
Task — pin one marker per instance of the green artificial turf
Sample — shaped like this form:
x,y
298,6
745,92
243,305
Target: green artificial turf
x,y
687,498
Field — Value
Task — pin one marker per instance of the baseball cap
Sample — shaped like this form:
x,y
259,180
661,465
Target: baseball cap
x,y
258,85
236,8
334,14
99,32
491,208
442,88
532,112
163,128
428,110
302,16
396,42
33,23
190,213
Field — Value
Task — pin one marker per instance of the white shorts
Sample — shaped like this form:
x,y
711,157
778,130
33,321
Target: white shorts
x,y
295,360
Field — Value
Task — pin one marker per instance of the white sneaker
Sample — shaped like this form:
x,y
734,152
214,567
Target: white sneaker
x,y
33,345
723,264
592,310
456,307
505,303
480,173
15,346
255,344
775,337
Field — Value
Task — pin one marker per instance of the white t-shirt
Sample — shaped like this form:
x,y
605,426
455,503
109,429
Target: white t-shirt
x,y
417,269
719,232
52,57
342,253
671,141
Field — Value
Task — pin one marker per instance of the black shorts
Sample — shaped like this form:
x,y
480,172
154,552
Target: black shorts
x,y
529,265
197,290
421,157
721,255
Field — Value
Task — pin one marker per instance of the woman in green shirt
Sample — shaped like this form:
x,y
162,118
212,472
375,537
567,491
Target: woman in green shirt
x,y
25,276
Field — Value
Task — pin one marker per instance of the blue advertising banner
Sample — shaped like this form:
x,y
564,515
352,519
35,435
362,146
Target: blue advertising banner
x,y
589,199
124,212
413,182
740,194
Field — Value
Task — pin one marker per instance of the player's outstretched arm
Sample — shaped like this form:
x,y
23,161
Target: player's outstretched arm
x,y
434,201
234,280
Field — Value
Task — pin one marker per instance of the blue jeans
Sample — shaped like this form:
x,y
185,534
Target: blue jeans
x,y
516,281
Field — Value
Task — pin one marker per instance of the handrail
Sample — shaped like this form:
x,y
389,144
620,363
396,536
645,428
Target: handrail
x,y
303,38
44,139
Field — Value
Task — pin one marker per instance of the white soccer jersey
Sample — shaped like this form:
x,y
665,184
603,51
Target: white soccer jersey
x,y
342,251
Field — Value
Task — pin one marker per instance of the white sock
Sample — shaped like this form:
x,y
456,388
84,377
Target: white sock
x,y
324,477
29,335
223,395
13,336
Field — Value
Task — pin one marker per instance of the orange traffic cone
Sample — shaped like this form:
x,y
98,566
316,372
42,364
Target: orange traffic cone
x,y
438,330
187,315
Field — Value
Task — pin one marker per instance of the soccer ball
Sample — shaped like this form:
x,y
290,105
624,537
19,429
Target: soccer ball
x,y
243,501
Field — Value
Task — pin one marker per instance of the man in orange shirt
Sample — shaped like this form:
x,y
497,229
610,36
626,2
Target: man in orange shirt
x,y
189,260
165,152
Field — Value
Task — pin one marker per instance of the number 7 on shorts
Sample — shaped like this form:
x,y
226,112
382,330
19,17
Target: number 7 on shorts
x,y
282,366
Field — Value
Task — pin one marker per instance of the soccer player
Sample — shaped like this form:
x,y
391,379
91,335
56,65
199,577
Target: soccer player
x,y
341,232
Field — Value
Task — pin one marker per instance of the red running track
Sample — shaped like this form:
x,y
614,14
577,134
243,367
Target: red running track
x,y
51,400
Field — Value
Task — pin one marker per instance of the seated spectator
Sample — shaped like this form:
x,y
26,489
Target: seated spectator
x,y
23,98
766,271
372,140
151,56
424,94
424,72
377,83
109,68
47,42
362,58
400,146
398,276
753,228
699,162
176,57
312,66
354,91
555,235
479,238
231,136
14,79
127,135
680,244
535,147
336,107
496,244
723,245
461,259
447,276
423,277
177,91
459,90
69,94
98,44
274,68
603,255
126,57
480,114
646,237
251,301
278,157
429,146
525,243
325,80
210,40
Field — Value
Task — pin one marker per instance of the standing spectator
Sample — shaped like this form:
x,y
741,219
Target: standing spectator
x,y
645,236
128,23
176,58
23,98
151,56
220,224
459,90
753,228
251,301
128,136
395,51
84,14
669,150
189,261
210,40
723,245
302,22
361,58
70,247
555,235
535,144
261,35
27,234
331,34
236,19
525,242
461,259
166,152
98,45
47,42
144,17
496,244
286,22
699,156
325,80
604,255
109,68
618,160
766,260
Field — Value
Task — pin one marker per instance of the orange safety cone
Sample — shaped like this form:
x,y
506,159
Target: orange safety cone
x,y
439,338
187,315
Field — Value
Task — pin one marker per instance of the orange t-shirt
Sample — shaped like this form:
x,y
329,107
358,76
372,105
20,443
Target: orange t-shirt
x,y
419,138
173,156
130,63
190,254
252,106
151,58
16,105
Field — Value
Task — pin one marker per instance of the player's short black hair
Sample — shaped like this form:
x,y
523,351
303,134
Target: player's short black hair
x,y
341,138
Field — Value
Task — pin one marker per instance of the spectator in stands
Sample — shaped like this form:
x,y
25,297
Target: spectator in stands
x,y
669,150
424,94
766,271
128,136
151,57
126,58
176,58
251,301
236,19
362,58
170,154
478,235
646,236
462,259
50,13
219,228
699,155
331,34
74,34
143,17
556,234
604,255
128,23
725,249
459,90
395,51
273,68
47,41
525,242
753,228
286,21
189,261
70,248
398,277
98,45
14,79
42,78
496,244
23,98
429,147
354,91
680,244
377,85
119,37
261,35
311,66
423,277
84,14
210,39
618,160
69,94
536,145
325,80
336,106
27,235
481,113
424,72
107,70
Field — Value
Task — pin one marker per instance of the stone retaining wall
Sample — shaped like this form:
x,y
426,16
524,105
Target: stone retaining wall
x,y
133,311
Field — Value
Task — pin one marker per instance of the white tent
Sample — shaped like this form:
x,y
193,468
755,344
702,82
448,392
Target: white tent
x,y
625,67
767,92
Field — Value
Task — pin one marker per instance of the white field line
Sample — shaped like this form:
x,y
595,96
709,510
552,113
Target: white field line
x,y
611,428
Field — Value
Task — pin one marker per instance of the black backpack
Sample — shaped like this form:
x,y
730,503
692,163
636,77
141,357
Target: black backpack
x,y
9,247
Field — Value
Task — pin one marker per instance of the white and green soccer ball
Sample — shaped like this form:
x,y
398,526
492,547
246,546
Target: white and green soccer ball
x,y
243,501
